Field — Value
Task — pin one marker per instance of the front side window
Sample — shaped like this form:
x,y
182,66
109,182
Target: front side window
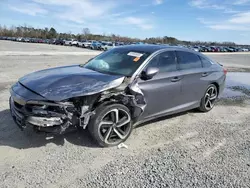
x,y
166,61
188,60
120,61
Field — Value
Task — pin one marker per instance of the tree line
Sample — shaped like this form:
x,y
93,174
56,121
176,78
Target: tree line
x,y
49,33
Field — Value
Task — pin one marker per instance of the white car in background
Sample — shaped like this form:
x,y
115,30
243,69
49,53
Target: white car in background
x,y
245,50
196,48
74,43
19,39
69,42
108,46
80,43
105,45
87,44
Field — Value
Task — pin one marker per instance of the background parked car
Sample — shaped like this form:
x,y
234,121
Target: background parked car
x,y
80,43
196,48
13,38
68,42
103,45
233,49
204,49
245,50
59,42
222,49
107,46
86,44
26,39
229,49
51,41
74,43
95,45
40,41
20,39
214,49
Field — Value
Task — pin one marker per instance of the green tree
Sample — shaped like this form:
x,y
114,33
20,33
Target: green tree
x,y
52,33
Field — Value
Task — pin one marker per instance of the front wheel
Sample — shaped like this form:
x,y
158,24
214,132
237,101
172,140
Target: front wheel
x,y
111,125
209,99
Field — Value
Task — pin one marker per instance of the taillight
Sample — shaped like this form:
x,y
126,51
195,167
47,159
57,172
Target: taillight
x,y
225,71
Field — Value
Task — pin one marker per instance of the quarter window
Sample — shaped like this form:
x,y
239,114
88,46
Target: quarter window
x,y
205,62
188,60
166,61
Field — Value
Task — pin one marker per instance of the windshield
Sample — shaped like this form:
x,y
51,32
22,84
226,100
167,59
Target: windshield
x,y
118,61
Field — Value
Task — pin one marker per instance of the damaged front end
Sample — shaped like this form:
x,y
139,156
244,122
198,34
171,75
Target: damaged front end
x,y
52,117
128,94
63,116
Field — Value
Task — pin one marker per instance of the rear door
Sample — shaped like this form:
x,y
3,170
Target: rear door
x,y
194,82
162,92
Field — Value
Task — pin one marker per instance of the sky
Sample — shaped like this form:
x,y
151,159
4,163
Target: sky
x,y
204,20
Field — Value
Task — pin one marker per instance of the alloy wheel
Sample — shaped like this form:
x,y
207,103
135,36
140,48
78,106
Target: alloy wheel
x,y
210,97
115,126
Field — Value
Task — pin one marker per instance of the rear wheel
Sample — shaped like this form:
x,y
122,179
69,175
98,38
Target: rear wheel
x,y
111,125
209,99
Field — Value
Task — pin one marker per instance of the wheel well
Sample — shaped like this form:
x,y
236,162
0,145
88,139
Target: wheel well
x,y
109,102
217,86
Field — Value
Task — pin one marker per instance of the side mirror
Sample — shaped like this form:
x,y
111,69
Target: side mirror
x,y
149,73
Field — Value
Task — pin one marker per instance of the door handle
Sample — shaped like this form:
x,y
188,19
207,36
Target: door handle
x,y
205,74
176,79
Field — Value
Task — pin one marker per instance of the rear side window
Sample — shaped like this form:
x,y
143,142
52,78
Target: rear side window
x,y
166,61
205,62
188,60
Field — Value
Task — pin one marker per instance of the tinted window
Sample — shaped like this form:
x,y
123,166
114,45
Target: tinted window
x,y
188,60
205,62
165,61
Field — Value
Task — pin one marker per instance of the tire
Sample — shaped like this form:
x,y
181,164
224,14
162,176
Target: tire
x,y
211,95
103,129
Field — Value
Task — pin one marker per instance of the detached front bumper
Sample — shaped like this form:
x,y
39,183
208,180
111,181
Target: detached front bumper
x,y
23,117
33,110
18,117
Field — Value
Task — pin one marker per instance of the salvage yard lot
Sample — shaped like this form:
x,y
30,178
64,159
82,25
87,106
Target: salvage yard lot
x,y
186,150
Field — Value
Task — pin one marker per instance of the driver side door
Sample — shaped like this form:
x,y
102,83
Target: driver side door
x,y
163,91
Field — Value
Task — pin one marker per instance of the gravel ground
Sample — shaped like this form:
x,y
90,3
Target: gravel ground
x,y
190,149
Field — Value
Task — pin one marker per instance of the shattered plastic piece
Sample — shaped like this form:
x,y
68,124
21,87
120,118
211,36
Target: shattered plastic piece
x,y
122,145
136,91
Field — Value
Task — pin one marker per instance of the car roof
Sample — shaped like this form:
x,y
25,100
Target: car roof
x,y
150,48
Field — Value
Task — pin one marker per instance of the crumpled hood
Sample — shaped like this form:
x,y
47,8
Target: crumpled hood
x,y
61,83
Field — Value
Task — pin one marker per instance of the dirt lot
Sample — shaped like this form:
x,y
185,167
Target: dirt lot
x,y
186,150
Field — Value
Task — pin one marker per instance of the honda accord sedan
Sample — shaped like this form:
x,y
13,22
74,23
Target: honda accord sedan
x,y
117,90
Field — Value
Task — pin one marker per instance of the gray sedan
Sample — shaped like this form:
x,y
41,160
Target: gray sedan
x,y
116,91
